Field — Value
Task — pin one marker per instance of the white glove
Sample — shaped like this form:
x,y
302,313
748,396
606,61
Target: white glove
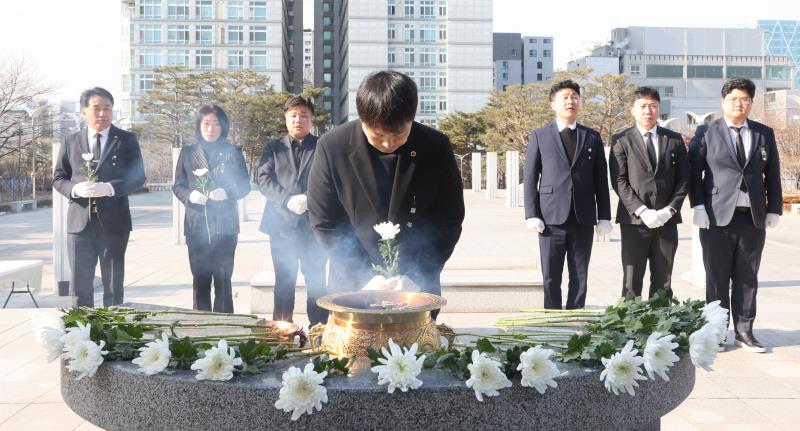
x,y
197,198
218,194
651,219
297,204
535,223
102,190
772,220
83,189
664,214
603,228
700,218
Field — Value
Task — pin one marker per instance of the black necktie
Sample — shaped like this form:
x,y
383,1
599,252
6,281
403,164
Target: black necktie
x,y
570,142
96,148
741,157
297,151
651,149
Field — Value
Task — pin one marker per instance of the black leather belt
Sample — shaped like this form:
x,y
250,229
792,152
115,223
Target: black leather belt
x,y
742,209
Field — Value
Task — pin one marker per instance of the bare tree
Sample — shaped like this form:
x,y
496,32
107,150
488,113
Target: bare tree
x,y
788,141
19,89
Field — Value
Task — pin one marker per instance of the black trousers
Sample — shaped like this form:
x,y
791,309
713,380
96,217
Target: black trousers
x,y
212,262
731,257
640,245
84,250
573,241
291,251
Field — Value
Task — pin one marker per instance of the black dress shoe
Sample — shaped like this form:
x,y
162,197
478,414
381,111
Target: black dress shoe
x,y
748,342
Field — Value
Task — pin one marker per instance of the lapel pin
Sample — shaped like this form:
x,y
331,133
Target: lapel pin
x,y
413,153
590,150
409,224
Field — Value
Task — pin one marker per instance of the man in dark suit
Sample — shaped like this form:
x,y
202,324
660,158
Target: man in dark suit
x,y
650,174
566,195
283,179
98,217
386,167
735,191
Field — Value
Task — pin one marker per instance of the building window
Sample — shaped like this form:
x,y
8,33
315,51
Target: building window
x,y
442,7
427,33
150,33
504,76
327,78
538,64
442,79
392,57
442,32
533,53
778,72
427,57
203,59
442,56
664,71
327,7
258,35
258,60
532,40
327,63
391,32
204,10
150,9
546,41
427,104
150,58
408,32
442,103
235,35
327,35
426,9
752,72
327,20
235,9
513,52
409,9
327,105
178,9
327,49
408,56
392,9
704,72
538,76
178,34
235,59
178,57
504,64
258,10
665,91
146,82
546,53
427,81
635,70
204,35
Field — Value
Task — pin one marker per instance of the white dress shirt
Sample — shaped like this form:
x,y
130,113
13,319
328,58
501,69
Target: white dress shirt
x,y
654,137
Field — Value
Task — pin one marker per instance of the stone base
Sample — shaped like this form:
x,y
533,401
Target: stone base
x,y
120,398
466,291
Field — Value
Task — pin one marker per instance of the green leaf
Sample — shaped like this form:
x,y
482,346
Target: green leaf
x,y
485,346
373,356
184,353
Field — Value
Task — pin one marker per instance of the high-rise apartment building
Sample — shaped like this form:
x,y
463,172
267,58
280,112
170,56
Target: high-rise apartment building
x,y
260,35
308,58
782,37
444,45
521,59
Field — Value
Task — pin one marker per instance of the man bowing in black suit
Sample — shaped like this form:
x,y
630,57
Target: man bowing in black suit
x,y
385,167
98,217
650,174
566,195
735,191
283,179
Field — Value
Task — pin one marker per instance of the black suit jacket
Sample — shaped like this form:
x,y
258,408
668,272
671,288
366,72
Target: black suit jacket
x,y
279,179
226,170
427,201
120,165
716,175
553,186
634,180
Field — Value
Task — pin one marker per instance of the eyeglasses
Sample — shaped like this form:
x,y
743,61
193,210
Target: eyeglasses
x,y
736,100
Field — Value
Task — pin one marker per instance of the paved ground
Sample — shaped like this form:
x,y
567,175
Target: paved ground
x,y
746,391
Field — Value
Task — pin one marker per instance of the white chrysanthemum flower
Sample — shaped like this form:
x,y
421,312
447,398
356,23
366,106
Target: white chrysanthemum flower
x,y
400,367
200,172
659,355
622,370
302,391
486,376
154,357
87,156
387,230
217,364
76,335
48,330
538,371
85,357
718,318
703,345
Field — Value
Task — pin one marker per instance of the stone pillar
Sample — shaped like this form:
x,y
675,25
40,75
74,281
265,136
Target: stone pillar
x,y
698,274
491,175
476,166
512,178
178,210
61,271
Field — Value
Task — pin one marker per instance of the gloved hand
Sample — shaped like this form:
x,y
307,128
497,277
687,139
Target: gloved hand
x,y
218,194
83,189
535,223
650,218
603,228
664,214
772,220
700,218
297,204
197,198
102,190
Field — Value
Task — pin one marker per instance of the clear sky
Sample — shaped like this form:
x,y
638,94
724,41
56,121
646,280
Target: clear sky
x,y
75,44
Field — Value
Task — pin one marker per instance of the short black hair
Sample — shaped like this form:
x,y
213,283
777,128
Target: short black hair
x,y
95,91
739,83
387,99
567,83
646,93
204,110
298,100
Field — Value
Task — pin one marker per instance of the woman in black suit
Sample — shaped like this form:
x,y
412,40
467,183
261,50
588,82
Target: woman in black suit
x,y
210,178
